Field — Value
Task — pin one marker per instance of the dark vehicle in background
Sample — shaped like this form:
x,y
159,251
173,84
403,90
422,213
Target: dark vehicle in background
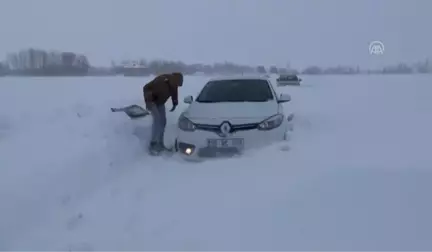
x,y
288,80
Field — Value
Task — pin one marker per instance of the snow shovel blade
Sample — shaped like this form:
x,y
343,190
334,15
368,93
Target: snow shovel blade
x,y
133,111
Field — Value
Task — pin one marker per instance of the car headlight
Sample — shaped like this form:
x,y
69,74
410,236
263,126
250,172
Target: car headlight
x,y
271,123
185,124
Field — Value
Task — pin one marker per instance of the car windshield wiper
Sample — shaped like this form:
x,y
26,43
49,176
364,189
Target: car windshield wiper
x,y
207,101
258,100
244,100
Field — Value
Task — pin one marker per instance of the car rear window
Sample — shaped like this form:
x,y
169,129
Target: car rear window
x,y
288,77
243,90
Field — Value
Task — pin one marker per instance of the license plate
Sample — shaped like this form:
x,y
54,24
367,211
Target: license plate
x,y
225,143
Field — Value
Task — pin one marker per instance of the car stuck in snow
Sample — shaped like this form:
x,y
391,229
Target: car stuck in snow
x,y
230,115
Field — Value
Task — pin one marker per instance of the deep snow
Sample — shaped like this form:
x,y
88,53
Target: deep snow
x,y
357,176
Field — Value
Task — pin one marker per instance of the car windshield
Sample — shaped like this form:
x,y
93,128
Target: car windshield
x,y
244,90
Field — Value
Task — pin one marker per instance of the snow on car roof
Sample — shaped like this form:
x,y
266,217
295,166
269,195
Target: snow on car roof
x,y
240,77
288,74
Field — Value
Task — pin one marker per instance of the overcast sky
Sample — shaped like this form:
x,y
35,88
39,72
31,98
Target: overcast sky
x,y
302,32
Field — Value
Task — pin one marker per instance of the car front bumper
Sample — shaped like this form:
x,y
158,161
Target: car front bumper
x,y
195,145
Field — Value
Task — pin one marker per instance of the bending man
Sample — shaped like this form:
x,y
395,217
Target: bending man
x,y
156,94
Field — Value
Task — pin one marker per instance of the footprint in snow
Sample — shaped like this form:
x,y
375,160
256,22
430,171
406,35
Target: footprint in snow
x,y
74,221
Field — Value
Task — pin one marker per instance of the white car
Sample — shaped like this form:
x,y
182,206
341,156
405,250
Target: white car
x,y
230,115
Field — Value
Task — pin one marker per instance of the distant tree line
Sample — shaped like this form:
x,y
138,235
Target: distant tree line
x,y
161,66
166,66
4,69
36,62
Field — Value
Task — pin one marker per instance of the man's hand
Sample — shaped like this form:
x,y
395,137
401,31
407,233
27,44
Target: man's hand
x,y
148,96
175,103
148,105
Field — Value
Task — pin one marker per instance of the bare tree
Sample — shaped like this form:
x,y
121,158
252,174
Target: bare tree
x,y
273,70
261,70
39,62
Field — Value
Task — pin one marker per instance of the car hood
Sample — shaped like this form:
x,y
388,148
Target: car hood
x,y
235,112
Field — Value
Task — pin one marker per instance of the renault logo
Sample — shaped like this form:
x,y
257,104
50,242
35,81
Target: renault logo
x,y
225,129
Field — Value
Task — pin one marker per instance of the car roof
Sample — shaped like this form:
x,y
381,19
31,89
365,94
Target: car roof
x,y
240,77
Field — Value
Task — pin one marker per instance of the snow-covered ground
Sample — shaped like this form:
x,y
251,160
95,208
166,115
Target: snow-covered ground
x,y
357,176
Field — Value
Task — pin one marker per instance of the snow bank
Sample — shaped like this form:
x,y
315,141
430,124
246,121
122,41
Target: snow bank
x,y
356,177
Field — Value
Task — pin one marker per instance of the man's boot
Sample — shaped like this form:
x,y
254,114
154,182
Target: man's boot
x,y
154,148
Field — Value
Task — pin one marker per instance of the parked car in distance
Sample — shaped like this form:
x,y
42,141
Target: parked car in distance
x,y
288,79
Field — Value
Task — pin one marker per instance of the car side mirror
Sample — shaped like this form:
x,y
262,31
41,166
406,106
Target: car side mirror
x,y
188,99
284,98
